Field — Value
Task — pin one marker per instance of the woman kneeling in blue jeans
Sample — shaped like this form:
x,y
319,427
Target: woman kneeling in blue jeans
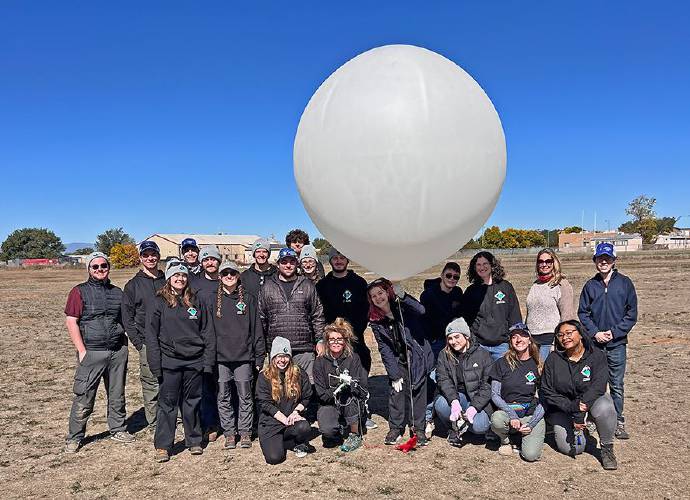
x,y
462,376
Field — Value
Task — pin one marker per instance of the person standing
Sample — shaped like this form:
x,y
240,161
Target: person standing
x,y
137,298
180,346
289,307
608,312
490,305
309,264
189,252
94,324
240,348
297,239
207,280
549,301
256,275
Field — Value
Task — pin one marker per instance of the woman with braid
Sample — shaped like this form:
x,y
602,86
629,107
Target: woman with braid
x,y
240,348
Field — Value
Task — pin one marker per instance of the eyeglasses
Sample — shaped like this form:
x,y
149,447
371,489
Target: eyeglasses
x,y
229,273
568,333
336,341
451,276
545,262
100,266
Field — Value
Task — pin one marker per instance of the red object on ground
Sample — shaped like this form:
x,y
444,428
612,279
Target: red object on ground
x,y
39,262
408,445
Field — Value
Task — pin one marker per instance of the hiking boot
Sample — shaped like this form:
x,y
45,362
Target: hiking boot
x,y
422,440
429,429
608,458
230,443
245,441
123,437
196,450
370,424
621,433
505,450
72,446
454,438
393,437
162,456
300,451
352,442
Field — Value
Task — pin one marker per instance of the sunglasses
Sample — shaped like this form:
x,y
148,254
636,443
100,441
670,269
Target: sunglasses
x,y
100,266
451,276
229,273
545,262
336,341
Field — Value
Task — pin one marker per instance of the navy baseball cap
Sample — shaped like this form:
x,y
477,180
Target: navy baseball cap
x,y
148,245
286,253
189,242
605,249
518,328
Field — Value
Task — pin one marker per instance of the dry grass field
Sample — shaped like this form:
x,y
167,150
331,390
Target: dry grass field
x,y
37,366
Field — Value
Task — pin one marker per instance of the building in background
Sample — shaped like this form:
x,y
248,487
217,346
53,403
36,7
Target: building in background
x,y
586,241
235,247
679,238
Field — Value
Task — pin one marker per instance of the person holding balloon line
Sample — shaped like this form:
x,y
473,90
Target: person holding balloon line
x,y
398,325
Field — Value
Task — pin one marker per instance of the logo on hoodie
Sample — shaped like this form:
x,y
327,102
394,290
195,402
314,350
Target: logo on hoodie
x,y
531,377
347,296
586,373
241,306
192,313
499,297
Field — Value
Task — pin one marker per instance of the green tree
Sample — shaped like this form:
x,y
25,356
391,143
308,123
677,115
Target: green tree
x,y
641,208
550,236
322,245
111,237
83,251
629,227
472,244
492,238
572,229
665,225
31,243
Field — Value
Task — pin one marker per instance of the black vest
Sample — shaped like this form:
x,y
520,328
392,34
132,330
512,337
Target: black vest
x,y
101,323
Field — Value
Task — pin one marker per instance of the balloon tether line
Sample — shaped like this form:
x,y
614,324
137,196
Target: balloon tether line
x,y
412,442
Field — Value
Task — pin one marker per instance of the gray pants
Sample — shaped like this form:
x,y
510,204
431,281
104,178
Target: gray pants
x,y
532,443
305,360
149,388
111,366
241,373
602,412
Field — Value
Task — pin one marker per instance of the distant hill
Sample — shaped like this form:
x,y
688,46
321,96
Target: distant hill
x,y
73,247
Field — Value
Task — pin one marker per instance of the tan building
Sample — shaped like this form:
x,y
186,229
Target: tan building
x,y
586,241
235,247
678,239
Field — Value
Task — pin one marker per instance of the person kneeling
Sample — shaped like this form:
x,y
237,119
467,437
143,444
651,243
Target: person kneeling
x,y
573,385
462,376
514,382
341,385
282,392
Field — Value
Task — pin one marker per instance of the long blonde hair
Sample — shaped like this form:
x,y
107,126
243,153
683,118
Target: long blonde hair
x,y
557,275
170,296
511,356
291,388
344,328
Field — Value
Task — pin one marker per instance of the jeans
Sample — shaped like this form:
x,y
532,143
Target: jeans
x,y
436,347
532,443
496,351
544,351
616,357
602,413
481,421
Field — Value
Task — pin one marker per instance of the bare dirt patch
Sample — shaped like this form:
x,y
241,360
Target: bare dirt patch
x,y
37,366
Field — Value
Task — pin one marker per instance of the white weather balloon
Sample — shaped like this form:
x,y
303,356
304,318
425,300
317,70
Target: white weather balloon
x,y
399,159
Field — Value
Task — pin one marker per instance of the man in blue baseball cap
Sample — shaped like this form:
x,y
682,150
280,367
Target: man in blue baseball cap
x,y
608,311
189,252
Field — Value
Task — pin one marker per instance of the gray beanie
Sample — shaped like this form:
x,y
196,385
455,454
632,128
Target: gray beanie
x,y
332,252
175,267
209,251
261,243
228,264
458,325
95,255
308,252
280,345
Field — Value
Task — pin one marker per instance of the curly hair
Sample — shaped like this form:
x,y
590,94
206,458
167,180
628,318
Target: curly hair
x,y
343,327
297,236
498,274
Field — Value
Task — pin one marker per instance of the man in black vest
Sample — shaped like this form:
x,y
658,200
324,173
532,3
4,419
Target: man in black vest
x,y
94,323
137,298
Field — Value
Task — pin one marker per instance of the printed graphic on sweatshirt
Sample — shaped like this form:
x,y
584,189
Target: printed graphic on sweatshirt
x,y
192,313
241,306
347,296
586,373
499,297
531,377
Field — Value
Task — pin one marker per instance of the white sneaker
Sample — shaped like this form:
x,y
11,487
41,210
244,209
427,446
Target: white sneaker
x,y
370,424
300,451
429,429
505,450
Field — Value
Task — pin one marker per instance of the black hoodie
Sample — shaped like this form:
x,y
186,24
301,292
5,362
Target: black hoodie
x,y
268,407
441,307
253,279
490,310
137,298
566,383
345,297
326,365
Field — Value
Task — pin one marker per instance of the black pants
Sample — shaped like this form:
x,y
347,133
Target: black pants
x,y
210,419
330,416
275,447
399,409
179,387
364,355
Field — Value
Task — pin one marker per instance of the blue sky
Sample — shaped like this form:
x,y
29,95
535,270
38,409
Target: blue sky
x,y
168,116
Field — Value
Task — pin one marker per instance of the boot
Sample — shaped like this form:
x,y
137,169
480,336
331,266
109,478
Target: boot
x,y
608,458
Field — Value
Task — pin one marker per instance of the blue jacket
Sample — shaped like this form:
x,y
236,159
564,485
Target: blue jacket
x,y
420,355
608,308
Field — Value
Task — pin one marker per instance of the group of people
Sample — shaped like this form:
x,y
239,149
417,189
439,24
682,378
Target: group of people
x,y
465,360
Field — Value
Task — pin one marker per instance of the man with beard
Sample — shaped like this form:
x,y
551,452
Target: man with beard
x,y
207,280
261,270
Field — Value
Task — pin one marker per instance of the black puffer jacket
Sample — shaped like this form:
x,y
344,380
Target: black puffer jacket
x,y
298,318
476,363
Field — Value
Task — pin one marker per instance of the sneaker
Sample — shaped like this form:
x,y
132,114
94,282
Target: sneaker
x,y
608,458
162,456
454,438
230,443
370,424
621,433
393,437
196,450
422,440
309,448
72,446
179,431
300,451
245,441
211,435
429,429
123,437
352,442
505,450
591,427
